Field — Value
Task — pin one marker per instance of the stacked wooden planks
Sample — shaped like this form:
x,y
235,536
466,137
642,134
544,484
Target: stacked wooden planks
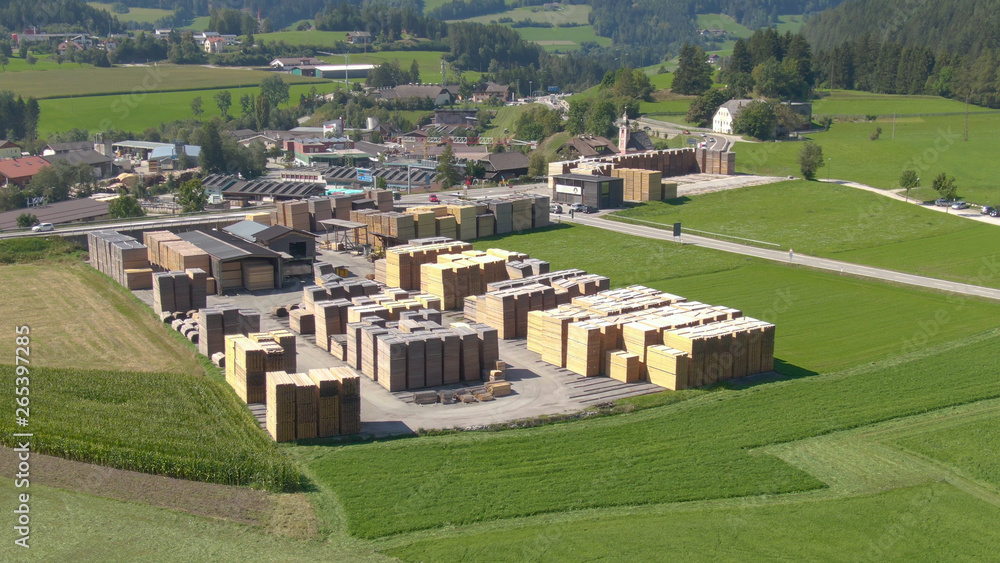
x,y
122,258
246,366
640,185
507,304
281,406
676,344
415,354
257,275
403,262
262,218
294,214
179,291
465,220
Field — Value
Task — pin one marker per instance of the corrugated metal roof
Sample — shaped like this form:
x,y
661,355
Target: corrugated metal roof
x,y
56,213
275,231
246,229
225,246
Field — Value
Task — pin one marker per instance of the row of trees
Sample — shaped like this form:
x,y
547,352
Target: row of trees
x,y
18,118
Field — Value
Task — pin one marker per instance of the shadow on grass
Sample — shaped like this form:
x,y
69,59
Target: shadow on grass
x,y
551,228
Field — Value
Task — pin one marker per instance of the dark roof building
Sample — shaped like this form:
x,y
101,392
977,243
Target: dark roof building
x,y
9,149
102,166
588,146
224,248
69,211
505,165
60,148
259,189
439,94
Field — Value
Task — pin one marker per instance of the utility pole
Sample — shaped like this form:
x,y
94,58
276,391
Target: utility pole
x,y
893,125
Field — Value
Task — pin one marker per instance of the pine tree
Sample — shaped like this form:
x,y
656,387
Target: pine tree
x,y
694,74
447,172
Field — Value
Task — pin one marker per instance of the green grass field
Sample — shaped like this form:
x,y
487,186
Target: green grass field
x,y
72,80
843,223
929,145
137,112
849,102
313,37
570,13
805,530
723,22
562,38
190,427
429,62
648,457
970,446
141,15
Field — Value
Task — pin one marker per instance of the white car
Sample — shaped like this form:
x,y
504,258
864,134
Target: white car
x,y
43,228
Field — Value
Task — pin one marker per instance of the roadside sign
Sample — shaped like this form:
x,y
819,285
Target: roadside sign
x,y
364,175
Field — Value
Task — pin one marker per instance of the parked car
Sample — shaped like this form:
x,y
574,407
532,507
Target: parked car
x,y
433,198
942,202
995,213
43,228
555,209
589,209
986,210
577,207
960,205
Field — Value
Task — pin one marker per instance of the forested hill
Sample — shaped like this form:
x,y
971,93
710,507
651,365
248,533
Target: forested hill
x,y
968,27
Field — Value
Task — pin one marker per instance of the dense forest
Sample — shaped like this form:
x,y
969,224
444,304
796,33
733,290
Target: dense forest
x,y
384,19
55,16
968,27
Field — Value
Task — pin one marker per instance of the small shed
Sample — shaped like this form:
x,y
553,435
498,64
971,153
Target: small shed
x,y
602,192
237,262
294,242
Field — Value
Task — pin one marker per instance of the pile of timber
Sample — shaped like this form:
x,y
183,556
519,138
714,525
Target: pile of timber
x,y
120,257
415,354
402,263
457,276
638,333
179,291
506,304
257,275
397,227
640,185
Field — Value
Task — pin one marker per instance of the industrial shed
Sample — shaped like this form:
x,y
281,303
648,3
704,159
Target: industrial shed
x,y
261,189
297,244
602,192
237,262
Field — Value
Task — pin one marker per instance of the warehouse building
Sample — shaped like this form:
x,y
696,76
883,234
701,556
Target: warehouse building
x,y
602,192
236,262
296,243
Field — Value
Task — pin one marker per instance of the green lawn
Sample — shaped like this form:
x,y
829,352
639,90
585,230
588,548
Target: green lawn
x,y
44,62
849,102
661,81
199,24
137,112
141,15
72,80
505,120
971,447
429,62
723,22
929,145
695,449
843,223
562,38
889,526
313,37
570,13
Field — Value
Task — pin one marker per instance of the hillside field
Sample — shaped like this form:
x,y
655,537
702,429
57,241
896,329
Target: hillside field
x,y
137,112
312,37
72,80
141,15
928,145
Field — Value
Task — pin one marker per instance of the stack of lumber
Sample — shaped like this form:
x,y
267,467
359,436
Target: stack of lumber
x,y
281,406
457,276
486,225
520,269
641,333
182,255
211,332
503,211
424,222
465,220
306,406
383,199
403,262
231,276
415,354
122,258
294,215
521,214
338,396
507,303
246,365
320,209
262,218
640,185
446,226
258,275
302,321
330,319
179,291
154,241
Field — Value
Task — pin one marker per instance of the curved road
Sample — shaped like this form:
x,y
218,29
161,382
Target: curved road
x,y
785,257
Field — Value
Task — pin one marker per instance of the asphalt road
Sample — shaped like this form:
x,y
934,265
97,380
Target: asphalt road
x,y
787,256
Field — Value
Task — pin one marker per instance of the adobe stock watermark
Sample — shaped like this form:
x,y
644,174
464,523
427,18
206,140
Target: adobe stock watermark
x,y
943,142
124,104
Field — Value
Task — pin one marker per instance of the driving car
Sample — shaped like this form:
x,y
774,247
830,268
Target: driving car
x,y
555,209
960,205
433,198
43,228
589,209
986,210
